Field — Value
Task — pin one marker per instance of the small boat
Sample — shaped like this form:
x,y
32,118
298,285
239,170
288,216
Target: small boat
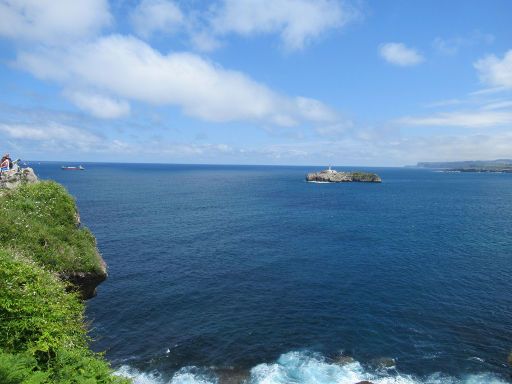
x,y
79,168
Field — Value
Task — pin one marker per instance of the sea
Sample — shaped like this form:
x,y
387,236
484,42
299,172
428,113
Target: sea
x,y
221,273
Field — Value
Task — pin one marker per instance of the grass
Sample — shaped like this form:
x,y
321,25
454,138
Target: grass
x,y
40,219
43,336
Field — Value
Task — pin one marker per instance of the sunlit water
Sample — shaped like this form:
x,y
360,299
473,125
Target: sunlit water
x,y
219,271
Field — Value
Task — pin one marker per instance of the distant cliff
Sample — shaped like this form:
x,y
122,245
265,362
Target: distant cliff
x,y
500,165
332,176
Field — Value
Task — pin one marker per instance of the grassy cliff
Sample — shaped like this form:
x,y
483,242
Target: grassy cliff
x,y
41,219
43,337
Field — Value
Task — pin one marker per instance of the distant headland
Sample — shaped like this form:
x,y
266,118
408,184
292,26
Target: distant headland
x,y
498,166
331,176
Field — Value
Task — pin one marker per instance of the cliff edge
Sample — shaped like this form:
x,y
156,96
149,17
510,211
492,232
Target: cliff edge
x,y
40,220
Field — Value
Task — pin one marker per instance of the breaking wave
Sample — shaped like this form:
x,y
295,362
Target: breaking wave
x,y
306,368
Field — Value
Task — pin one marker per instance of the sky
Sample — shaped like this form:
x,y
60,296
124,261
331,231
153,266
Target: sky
x,y
291,82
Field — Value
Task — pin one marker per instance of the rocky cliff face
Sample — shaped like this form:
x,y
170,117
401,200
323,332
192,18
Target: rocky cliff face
x,y
86,282
331,176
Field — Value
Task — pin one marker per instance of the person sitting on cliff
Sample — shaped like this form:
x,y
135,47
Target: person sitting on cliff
x,y
6,163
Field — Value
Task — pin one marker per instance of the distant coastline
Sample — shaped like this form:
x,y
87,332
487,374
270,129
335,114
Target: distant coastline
x,y
492,166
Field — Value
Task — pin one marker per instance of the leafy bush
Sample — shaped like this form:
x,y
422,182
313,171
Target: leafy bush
x,y
42,334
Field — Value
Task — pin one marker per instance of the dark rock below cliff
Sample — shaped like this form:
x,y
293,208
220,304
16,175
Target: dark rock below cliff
x,y
232,376
85,282
344,360
384,363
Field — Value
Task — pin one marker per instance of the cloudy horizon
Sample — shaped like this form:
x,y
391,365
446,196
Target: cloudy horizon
x,y
285,82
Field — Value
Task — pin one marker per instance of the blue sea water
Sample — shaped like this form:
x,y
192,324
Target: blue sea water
x,y
219,271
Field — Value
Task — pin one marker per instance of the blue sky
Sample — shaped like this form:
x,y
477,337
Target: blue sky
x,y
256,82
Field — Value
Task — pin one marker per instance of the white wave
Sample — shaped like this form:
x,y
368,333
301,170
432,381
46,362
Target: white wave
x,y
308,368
186,375
478,359
139,377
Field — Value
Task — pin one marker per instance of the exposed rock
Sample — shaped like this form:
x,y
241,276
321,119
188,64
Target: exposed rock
x,y
344,360
384,363
78,222
11,179
86,282
364,382
509,359
332,176
232,376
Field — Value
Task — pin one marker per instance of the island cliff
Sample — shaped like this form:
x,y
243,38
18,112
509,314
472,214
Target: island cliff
x,y
332,176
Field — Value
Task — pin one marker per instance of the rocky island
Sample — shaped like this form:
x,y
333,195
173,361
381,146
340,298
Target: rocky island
x,y
331,176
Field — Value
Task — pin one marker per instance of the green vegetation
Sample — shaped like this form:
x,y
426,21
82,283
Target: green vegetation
x,y
43,338
40,219
365,176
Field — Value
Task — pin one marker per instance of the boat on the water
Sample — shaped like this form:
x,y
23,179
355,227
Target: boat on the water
x,y
68,168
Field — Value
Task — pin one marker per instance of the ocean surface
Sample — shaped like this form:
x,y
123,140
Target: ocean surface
x,y
222,272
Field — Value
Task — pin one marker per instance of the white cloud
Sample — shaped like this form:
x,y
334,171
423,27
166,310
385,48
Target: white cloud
x,y
52,135
204,41
152,16
52,21
500,104
399,54
128,68
391,151
335,130
297,21
98,105
463,119
451,46
496,72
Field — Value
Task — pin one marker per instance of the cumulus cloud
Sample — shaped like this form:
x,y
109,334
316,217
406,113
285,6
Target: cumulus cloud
x,y
52,22
496,72
98,105
400,54
151,16
128,68
297,21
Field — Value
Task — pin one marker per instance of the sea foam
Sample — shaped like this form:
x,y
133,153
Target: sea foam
x,y
308,368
